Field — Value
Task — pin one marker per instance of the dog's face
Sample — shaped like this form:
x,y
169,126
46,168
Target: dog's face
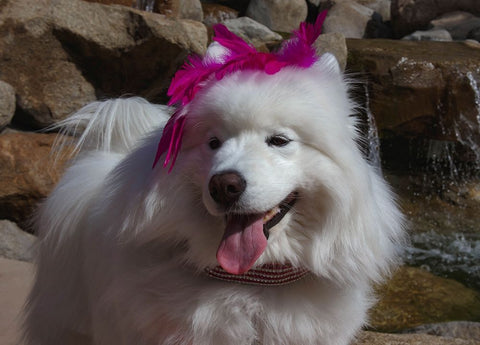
x,y
268,154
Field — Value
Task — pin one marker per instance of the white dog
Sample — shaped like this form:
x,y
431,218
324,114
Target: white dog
x,y
267,226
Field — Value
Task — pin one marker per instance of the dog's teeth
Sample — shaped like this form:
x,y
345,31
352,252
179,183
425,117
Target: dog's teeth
x,y
270,214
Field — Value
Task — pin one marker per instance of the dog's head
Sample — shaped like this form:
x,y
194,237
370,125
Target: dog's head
x,y
272,161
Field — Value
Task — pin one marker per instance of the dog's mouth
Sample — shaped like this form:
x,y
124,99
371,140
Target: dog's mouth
x,y
245,237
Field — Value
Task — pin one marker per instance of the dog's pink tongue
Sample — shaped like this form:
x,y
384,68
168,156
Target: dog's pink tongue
x,y
242,243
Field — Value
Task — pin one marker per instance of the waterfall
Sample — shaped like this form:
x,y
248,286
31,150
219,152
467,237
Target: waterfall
x,y
146,5
373,141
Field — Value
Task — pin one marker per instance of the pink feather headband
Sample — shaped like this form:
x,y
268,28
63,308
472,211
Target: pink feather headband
x,y
194,74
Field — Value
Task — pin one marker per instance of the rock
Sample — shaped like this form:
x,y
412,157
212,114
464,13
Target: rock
x,y
255,33
458,24
377,28
348,18
414,297
215,13
181,9
425,105
382,7
474,34
7,104
87,50
278,15
429,35
27,174
411,15
455,329
128,3
373,338
48,85
335,44
15,244
17,279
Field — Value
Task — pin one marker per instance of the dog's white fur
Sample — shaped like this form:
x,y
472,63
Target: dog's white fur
x,y
123,247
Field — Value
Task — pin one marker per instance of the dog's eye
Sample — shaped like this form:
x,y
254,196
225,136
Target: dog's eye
x,y
278,140
214,143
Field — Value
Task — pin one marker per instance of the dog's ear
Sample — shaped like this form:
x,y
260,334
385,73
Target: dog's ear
x,y
216,52
328,63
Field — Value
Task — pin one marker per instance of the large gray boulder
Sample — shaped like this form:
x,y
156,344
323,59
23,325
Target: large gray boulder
x,y
61,54
278,15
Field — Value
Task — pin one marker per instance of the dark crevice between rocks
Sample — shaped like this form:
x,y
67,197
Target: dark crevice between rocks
x,y
144,70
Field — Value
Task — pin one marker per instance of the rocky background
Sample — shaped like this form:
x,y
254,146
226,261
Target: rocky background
x,y
417,63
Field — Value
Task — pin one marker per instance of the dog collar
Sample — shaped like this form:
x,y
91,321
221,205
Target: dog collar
x,y
266,275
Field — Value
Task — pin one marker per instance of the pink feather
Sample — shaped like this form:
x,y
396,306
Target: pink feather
x,y
196,72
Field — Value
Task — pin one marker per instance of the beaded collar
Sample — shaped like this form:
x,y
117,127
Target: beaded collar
x,y
266,275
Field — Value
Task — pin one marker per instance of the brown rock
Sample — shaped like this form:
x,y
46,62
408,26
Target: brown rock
x,y
15,244
185,9
61,54
278,15
129,3
335,44
27,173
414,297
372,338
411,15
455,329
348,18
7,104
215,13
48,85
417,95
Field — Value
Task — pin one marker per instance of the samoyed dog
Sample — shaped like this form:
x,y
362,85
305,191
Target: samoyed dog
x,y
243,214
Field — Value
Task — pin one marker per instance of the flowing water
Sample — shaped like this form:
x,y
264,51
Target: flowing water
x,y
445,238
146,5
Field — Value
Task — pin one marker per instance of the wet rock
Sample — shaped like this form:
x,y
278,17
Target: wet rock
x,y
181,9
348,18
15,244
253,32
412,15
59,55
429,35
458,24
382,7
335,44
455,329
373,338
278,15
215,13
414,297
474,34
27,174
420,98
7,104
129,3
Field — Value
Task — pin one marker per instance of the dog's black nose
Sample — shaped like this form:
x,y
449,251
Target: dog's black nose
x,y
226,188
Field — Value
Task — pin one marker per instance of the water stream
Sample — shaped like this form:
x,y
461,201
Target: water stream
x,y
146,5
445,211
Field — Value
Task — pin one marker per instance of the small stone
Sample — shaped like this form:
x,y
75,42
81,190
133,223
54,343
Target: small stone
x,y
459,24
7,104
214,13
430,35
181,9
15,244
251,31
335,44
348,18
278,15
